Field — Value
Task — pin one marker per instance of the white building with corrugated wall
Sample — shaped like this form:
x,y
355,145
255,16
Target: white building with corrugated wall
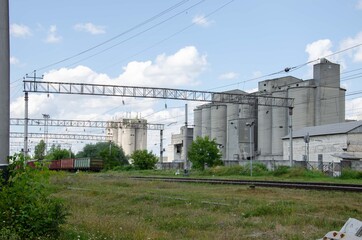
x,y
326,143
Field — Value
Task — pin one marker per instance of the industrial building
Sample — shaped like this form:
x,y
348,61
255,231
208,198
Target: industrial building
x,y
130,134
177,154
328,143
251,130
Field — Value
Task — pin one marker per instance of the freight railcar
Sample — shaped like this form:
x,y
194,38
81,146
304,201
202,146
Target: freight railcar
x,y
74,164
88,164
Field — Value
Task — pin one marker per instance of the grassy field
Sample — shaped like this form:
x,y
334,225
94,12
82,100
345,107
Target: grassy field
x,y
112,206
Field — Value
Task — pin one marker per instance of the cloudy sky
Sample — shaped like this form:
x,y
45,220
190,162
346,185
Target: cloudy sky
x,y
189,44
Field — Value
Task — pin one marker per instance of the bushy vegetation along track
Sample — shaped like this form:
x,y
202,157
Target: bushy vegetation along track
x,y
261,183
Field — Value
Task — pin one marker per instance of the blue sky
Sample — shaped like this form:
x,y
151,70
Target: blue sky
x,y
198,44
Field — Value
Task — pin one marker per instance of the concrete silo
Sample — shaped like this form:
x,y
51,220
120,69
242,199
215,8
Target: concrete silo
x,y
264,130
330,98
120,135
218,127
197,122
141,134
206,121
129,140
114,131
279,125
247,114
232,122
304,102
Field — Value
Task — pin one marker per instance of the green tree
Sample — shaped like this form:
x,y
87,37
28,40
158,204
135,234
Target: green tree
x,y
142,159
28,210
204,151
111,154
39,152
56,152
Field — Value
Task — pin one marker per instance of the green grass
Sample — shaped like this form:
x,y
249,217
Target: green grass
x,y
112,206
260,172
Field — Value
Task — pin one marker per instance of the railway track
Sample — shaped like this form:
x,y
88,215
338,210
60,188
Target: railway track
x,y
260,183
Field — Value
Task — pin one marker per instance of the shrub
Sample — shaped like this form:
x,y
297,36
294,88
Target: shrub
x,y
224,171
204,152
142,159
280,171
27,211
259,169
351,174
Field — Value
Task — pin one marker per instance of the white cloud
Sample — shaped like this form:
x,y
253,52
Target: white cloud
x,y
229,76
90,28
53,36
19,30
257,74
359,5
253,90
353,109
14,60
179,69
355,53
201,20
319,49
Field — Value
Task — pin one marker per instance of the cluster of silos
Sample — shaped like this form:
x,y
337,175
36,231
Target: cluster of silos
x,y
273,121
317,101
130,134
210,120
227,124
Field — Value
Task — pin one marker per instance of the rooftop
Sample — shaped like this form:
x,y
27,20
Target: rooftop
x,y
329,129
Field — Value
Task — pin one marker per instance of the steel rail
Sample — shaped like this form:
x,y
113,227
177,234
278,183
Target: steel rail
x,y
260,183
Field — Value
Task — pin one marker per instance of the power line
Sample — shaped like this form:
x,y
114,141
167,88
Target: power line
x,y
288,69
119,35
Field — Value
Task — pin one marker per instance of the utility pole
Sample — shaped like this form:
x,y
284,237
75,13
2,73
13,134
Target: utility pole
x,y
291,136
4,84
185,140
26,113
161,147
251,125
46,117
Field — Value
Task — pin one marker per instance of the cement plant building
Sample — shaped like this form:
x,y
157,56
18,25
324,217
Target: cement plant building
x,y
244,130
130,134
